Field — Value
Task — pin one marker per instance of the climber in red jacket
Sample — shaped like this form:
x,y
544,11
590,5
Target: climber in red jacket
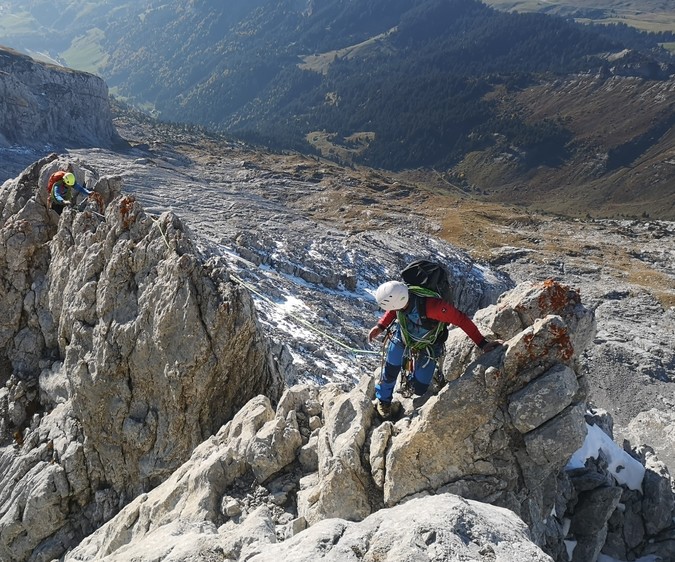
x,y
419,337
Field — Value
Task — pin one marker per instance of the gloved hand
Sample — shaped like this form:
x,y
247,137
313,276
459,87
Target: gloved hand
x,y
374,332
491,345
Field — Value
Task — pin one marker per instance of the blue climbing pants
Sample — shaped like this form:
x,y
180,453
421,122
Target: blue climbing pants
x,y
423,369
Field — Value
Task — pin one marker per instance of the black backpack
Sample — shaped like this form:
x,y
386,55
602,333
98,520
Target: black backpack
x,y
432,276
428,275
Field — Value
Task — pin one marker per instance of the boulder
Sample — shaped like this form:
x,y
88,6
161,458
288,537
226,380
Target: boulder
x,y
443,527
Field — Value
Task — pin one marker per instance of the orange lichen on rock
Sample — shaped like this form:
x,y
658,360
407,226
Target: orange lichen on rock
x,y
557,296
524,354
561,340
98,199
126,206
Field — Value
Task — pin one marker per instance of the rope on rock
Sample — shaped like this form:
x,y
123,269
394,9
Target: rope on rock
x,y
303,322
159,226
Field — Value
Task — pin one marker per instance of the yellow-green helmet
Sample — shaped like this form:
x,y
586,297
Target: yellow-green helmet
x,y
69,179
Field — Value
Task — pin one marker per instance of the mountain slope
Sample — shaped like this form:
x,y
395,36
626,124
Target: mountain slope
x,y
204,65
650,15
442,84
450,85
621,159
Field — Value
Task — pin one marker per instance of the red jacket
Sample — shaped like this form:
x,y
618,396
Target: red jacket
x,y
441,311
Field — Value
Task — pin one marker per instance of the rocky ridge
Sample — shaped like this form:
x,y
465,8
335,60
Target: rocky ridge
x,y
281,207
321,476
300,239
120,342
284,212
47,107
97,375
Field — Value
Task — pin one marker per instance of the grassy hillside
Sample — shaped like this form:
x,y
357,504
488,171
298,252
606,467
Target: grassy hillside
x,y
647,15
67,31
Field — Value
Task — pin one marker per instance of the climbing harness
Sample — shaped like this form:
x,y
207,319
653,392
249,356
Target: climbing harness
x,y
411,361
405,386
414,345
429,338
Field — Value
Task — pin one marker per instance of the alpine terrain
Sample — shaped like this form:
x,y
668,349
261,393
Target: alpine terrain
x,y
569,111
184,360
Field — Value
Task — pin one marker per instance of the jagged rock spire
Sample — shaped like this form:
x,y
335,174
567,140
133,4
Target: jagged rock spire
x,y
141,348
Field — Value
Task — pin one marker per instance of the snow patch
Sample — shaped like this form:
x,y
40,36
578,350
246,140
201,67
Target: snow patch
x,y
626,469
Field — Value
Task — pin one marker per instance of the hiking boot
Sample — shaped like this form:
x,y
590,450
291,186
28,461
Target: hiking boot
x,y
383,409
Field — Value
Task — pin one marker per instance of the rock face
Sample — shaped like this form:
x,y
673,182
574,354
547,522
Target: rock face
x,y
324,454
322,476
44,104
495,430
122,347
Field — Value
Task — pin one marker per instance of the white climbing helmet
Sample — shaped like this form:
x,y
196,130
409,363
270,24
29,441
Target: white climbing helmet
x,y
392,295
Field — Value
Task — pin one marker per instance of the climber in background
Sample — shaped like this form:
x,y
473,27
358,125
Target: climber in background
x,y
419,336
63,189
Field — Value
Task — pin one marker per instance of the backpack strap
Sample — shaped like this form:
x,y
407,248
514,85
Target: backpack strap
x,y
422,302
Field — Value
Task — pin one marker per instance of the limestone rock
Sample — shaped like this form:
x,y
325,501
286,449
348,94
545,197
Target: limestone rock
x,y
590,521
544,398
128,348
656,428
544,444
342,489
190,494
442,527
473,439
537,348
46,104
658,501
379,440
274,446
